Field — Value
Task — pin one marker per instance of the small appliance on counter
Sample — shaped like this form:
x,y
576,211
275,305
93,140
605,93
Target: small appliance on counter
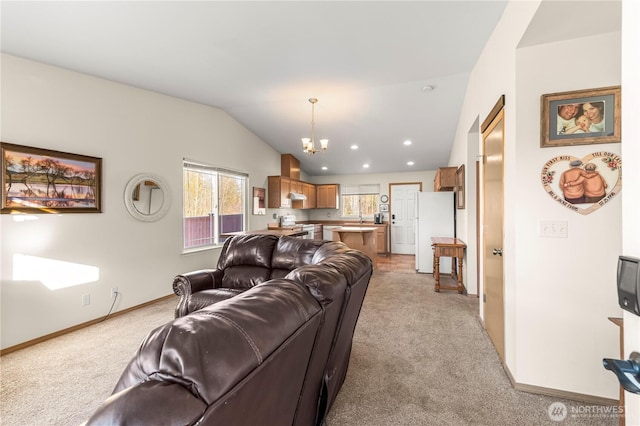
x,y
287,220
377,218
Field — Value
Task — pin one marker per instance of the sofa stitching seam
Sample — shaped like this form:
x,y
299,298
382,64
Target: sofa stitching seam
x,y
242,331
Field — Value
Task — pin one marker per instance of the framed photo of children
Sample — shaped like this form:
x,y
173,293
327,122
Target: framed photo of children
x,y
580,117
36,180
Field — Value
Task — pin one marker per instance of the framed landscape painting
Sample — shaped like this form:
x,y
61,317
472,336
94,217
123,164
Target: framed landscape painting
x,y
580,117
36,180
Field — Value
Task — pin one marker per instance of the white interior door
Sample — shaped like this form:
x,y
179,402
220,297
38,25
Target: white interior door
x,y
402,217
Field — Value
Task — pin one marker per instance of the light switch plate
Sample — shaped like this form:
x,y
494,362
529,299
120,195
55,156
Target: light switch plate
x,y
553,228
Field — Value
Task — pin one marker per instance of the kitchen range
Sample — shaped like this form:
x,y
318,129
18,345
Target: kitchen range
x,y
289,221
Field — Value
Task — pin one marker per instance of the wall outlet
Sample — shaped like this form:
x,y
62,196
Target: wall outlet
x,y
553,228
86,299
114,292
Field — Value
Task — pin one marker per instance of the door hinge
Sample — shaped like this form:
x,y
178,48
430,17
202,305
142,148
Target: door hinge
x,y
484,297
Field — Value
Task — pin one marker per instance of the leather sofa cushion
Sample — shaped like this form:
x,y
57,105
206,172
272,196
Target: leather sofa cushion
x,y
291,253
246,260
204,298
329,249
255,250
353,266
212,349
325,283
245,276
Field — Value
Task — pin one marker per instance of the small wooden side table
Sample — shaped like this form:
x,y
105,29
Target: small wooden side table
x,y
448,247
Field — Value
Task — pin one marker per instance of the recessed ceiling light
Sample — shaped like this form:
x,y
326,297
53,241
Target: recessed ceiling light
x,y
324,167
366,166
407,142
427,89
410,163
354,146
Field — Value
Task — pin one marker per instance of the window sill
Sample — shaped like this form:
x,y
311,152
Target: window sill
x,y
196,250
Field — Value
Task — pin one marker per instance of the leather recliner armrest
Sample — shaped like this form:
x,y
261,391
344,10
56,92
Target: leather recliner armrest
x,y
150,403
184,285
195,281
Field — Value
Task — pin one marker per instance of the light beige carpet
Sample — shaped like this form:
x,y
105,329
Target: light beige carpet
x,y
419,358
64,380
423,358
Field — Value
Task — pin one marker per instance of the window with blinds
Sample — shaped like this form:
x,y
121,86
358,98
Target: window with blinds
x,y
359,201
214,203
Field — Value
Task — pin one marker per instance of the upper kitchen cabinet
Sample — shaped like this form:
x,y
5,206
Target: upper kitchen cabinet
x,y
327,196
289,166
309,191
279,192
445,179
296,186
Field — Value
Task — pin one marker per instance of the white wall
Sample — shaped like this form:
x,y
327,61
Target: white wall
x,y
631,181
558,292
133,131
572,278
492,77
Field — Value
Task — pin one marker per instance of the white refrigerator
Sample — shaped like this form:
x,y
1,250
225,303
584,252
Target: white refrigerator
x,y
434,217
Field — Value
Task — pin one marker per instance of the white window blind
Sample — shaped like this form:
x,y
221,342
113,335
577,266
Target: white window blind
x,y
190,164
363,189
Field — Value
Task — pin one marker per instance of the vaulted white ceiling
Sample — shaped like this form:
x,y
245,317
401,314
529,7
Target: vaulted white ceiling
x,y
366,62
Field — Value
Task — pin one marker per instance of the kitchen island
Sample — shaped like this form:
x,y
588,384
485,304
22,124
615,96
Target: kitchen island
x,y
361,238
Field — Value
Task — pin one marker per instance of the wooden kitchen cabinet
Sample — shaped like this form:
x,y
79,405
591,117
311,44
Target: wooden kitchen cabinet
x,y
309,190
327,196
445,179
317,232
289,166
296,186
279,190
381,239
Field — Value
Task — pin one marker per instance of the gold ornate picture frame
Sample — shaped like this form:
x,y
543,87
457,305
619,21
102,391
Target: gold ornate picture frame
x,y
580,117
36,180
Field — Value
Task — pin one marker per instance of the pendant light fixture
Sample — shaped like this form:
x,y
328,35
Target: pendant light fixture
x,y
309,144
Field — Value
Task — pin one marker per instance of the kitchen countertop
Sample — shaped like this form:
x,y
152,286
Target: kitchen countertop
x,y
277,226
277,232
298,225
355,229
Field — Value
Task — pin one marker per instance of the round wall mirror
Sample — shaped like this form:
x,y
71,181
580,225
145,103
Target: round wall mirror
x,y
147,197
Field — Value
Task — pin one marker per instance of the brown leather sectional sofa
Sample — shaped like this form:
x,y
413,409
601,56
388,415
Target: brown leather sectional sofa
x,y
263,339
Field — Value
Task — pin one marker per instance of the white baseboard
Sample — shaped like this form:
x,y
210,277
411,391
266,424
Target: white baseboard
x,y
573,396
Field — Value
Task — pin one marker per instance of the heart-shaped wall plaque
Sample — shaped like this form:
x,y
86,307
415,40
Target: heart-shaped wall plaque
x,y
583,184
